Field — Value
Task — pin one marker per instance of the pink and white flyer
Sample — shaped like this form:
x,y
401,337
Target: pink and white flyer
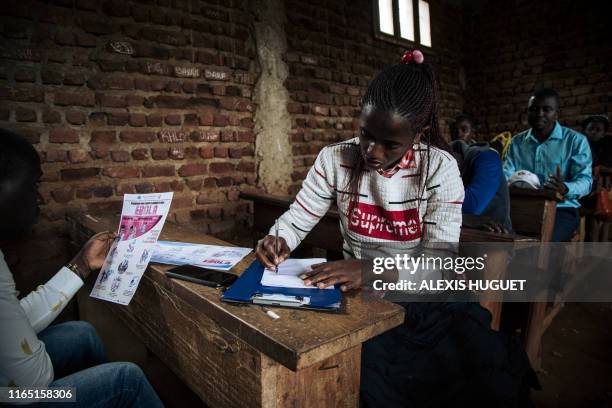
x,y
142,219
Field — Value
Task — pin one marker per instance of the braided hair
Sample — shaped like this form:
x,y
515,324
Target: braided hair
x,y
410,90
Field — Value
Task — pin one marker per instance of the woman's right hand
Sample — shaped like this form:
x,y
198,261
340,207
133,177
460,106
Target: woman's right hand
x,y
266,253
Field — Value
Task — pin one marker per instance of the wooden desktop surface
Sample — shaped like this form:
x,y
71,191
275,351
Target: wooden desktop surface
x,y
236,354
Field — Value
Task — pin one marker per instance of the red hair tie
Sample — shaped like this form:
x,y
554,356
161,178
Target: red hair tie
x,y
415,55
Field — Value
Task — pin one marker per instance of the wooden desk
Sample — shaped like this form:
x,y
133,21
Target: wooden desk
x,y
232,355
326,235
533,212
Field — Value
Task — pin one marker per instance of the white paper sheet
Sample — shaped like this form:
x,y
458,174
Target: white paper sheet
x,y
289,272
207,256
142,219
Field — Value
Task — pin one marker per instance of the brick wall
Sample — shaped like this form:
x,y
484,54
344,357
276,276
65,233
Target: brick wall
x,y
513,49
332,57
128,97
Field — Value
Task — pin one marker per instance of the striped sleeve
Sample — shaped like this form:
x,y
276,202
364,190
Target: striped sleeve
x,y
442,220
311,203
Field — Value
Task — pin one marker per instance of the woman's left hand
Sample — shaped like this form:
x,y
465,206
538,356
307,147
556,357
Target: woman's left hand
x,y
346,273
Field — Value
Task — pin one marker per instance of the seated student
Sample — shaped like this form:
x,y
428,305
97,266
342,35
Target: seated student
x,y
462,128
595,128
559,156
486,203
398,188
32,353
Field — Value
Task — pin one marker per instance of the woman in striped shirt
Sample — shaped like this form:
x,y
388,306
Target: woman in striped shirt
x,y
399,191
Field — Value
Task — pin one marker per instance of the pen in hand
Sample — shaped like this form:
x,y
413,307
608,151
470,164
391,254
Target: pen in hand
x,y
276,245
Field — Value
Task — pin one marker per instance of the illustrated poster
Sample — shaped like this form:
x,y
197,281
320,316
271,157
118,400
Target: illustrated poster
x,y
142,220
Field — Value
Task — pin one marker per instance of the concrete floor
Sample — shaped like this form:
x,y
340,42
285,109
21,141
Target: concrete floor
x,y
576,361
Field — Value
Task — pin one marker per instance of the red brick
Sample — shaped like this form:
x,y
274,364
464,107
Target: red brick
x,y
74,78
103,136
235,153
63,136
27,95
63,195
190,119
221,167
103,191
206,119
51,77
74,99
144,188
155,120
218,90
137,119
120,156
97,118
227,136
134,100
220,120
159,153
86,40
245,137
78,156
122,172
206,152
140,154
25,115
158,171
125,189
220,151
135,136
79,174
210,182
117,118
84,192
111,101
51,116
225,181
194,184
54,155
75,117
249,167
189,170
173,120
25,75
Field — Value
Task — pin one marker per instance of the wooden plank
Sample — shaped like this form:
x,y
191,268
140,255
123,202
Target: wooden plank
x,y
330,383
298,340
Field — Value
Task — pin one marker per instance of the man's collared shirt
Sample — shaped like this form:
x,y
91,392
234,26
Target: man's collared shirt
x,y
564,147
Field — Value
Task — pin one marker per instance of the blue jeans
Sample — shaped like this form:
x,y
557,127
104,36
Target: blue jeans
x,y
79,361
566,223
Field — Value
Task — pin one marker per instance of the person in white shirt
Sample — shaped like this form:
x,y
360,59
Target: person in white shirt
x,y
33,353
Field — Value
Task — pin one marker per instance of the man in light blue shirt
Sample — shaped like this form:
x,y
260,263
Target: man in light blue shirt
x,y
559,156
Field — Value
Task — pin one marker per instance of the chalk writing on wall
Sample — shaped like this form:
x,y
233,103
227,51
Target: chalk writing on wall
x,y
216,75
309,60
186,72
172,136
157,68
121,47
26,54
213,14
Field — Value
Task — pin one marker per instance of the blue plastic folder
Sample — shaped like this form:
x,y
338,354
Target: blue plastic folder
x,y
248,289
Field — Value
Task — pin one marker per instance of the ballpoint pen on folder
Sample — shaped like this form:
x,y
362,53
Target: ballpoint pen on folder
x,y
276,245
